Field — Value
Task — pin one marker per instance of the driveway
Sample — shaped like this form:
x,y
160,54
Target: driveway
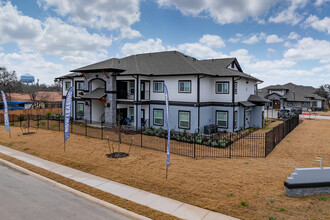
x,y
24,197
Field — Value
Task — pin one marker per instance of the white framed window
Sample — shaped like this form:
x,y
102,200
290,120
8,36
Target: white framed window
x,y
235,119
222,119
131,113
184,119
159,117
81,109
235,87
80,86
222,87
290,104
67,86
159,86
184,86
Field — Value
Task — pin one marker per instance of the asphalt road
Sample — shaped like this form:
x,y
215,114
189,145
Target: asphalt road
x,y
24,197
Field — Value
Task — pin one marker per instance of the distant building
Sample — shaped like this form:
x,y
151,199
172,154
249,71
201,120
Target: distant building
x,y
43,99
290,95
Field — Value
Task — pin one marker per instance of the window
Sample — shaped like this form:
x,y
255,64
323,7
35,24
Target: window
x,y
80,86
158,86
185,86
67,85
222,87
81,109
290,104
255,89
131,113
131,87
235,119
235,87
159,117
304,104
222,119
184,119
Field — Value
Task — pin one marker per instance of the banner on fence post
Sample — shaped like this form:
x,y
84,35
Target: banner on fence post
x,y
168,130
5,112
67,114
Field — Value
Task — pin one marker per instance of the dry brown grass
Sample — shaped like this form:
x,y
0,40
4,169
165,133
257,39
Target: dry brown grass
x,y
208,183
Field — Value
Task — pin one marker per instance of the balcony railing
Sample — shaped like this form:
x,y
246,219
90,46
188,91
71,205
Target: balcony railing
x,y
128,94
125,94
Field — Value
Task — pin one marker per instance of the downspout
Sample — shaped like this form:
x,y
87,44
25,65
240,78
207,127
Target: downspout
x,y
233,100
198,101
136,101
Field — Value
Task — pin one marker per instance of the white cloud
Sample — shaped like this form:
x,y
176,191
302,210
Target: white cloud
x,y
34,64
212,41
142,46
200,51
321,2
320,25
119,14
236,38
222,12
51,37
273,39
309,49
15,26
293,36
271,50
289,15
254,38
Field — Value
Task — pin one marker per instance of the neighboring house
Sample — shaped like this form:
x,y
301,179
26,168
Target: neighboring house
x,y
291,95
41,99
201,92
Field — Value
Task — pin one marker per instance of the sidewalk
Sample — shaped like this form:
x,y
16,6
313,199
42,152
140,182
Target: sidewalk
x,y
156,202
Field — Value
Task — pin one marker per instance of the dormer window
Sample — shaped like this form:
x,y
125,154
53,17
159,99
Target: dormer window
x,y
232,65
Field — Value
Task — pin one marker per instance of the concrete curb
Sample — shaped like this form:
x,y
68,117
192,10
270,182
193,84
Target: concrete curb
x,y
76,192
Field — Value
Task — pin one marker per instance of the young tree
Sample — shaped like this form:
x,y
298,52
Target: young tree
x,y
324,91
8,80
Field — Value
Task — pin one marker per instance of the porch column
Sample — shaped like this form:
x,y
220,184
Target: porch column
x,y
110,109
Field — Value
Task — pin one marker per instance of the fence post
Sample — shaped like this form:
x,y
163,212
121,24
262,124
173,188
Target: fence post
x,y
38,121
85,128
141,137
47,122
195,145
230,143
20,120
101,130
28,123
71,125
165,145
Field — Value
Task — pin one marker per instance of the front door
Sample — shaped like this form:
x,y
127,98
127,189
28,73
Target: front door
x,y
143,95
276,104
142,116
121,115
247,119
121,90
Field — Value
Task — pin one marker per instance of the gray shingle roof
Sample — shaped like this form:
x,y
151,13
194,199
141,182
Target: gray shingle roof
x,y
71,75
247,104
95,94
165,63
294,92
257,99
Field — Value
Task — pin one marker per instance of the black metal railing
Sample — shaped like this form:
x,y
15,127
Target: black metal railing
x,y
195,145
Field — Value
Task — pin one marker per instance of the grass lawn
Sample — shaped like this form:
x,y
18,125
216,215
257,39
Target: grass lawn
x,y
246,188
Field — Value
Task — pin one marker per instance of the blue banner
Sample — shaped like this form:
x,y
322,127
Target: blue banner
x,y
168,127
67,113
5,111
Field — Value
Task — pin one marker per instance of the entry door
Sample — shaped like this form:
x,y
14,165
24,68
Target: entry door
x,y
142,116
247,119
143,95
276,104
122,114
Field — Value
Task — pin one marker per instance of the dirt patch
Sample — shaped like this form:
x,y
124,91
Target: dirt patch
x,y
247,188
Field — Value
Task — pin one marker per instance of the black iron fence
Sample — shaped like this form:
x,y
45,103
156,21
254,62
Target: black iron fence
x,y
220,145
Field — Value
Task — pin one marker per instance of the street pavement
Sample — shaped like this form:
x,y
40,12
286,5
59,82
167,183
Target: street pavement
x,y
24,197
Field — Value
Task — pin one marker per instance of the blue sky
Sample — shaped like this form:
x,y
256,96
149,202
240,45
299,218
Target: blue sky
x,y
278,41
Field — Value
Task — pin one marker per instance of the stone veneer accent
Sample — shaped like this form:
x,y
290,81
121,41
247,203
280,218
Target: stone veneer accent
x,y
110,89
